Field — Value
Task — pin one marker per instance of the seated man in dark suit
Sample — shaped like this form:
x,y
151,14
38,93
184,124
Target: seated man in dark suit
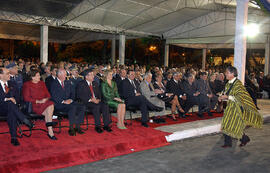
x,y
51,78
174,86
191,92
132,96
207,100
63,95
89,93
9,98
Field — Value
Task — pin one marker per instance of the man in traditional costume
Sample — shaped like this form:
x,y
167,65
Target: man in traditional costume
x,y
240,111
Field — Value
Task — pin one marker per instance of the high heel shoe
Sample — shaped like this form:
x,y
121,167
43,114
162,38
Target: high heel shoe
x,y
52,137
173,117
122,128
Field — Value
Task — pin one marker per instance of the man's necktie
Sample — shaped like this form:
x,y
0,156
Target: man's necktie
x,y
91,89
135,88
134,84
6,88
62,84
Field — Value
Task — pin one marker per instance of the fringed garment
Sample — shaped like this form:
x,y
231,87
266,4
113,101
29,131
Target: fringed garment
x,y
239,113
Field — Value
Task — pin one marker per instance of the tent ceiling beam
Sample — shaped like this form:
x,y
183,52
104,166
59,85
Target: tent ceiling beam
x,y
39,20
194,4
94,6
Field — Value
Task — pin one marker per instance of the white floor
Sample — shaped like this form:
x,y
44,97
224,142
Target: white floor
x,y
203,127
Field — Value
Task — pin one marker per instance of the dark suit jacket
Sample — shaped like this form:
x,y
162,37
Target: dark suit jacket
x,y
74,81
188,89
48,82
18,79
203,87
220,86
84,93
118,80
175,88
13,92
58,94
128,90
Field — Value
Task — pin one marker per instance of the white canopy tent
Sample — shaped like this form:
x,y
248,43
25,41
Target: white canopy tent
x,y
188,23
178,21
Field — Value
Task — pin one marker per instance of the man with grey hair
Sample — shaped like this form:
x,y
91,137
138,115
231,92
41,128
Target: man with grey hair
x,y
150,93
63,95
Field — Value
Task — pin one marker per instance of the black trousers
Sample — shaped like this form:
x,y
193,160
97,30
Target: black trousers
x,y
190,102
74,110
142,103
228,139
97,110
14,115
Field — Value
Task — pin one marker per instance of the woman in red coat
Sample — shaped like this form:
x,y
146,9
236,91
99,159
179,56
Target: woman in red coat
x,y
35,91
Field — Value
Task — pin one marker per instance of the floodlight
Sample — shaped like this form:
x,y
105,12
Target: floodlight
x,y
251,30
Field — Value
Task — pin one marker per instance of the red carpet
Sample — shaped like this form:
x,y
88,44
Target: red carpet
x,y
189,118
38,153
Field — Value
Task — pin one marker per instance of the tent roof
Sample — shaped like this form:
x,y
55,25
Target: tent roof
x,y
178,21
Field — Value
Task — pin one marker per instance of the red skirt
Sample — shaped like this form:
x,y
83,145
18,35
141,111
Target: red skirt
x,y
40,108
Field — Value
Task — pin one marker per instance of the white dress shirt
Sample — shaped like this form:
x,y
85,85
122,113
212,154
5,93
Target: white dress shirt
x,y
3,85
93,90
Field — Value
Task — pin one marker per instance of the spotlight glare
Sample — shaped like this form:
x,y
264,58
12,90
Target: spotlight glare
x,y
251,30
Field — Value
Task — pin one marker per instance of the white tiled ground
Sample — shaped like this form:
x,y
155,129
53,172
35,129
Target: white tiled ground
x,y
203,127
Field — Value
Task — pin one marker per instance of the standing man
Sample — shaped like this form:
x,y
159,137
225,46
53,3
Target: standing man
x,y
9,98
15,76
89,93
74,78
240,110
63,95
49,80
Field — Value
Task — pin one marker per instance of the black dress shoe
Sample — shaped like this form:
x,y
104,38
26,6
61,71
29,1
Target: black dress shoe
x,y
157,120
145,124
200,115
162,120
79,130
28,123
72,132
226,146
98,129
52,137
182,115
158,109
107,128
15,142
244,143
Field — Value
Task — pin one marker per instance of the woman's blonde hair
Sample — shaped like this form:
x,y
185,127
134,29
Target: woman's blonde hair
x,y
106,74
